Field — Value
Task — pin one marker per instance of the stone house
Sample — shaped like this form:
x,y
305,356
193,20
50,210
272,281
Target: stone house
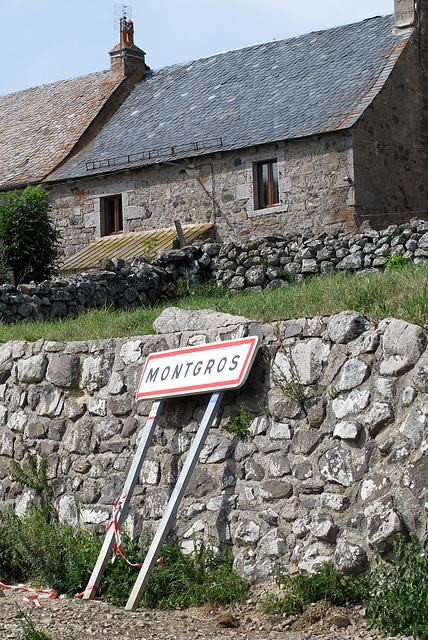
x,y
307,134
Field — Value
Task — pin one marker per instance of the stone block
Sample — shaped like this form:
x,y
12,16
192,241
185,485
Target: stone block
x,y
280,431
336,466
413,428
77,437
68,510
97,406
95,373
355,402
150,472
275,489
347,430
273,544
380,414
32,369
383,525
354,372
305,441
402,346
63,370
350,558
131,351
314,557
216,449
220,503
346,326
244,449
335,501
420,378
374,487
253,471
316,414
247,533
278,466
322,526
51,401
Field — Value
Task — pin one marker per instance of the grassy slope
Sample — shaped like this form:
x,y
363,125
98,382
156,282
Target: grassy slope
x,y
402,293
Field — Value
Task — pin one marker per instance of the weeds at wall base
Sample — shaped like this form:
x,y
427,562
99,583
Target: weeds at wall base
x,y
302,590
62,556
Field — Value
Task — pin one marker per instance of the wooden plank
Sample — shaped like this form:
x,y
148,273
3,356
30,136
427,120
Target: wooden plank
x,y
174,501
123,503
180,233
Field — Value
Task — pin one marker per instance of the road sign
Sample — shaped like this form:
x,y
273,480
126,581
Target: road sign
x,y
200,369
214,367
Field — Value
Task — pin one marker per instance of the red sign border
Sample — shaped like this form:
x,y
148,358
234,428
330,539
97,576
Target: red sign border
x,y
207,387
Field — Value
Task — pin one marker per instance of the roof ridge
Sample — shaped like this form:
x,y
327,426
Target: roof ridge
x,y
185,63
56,82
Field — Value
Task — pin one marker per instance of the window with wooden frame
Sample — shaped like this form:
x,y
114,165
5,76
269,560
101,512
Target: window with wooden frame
x,y
112,219
267,192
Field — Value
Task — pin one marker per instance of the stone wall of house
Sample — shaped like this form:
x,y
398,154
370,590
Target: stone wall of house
x,y
333,468
263,263
390,143
218,188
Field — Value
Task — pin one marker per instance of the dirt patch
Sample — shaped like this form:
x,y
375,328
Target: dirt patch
x,y
84,620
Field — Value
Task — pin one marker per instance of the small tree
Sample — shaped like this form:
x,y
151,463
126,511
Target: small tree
x,y
31,242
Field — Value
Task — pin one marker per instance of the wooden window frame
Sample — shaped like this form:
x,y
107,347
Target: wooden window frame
x,y
111,226
272,190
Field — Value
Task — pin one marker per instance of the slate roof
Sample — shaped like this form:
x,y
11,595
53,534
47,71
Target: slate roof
x,y
318,82
40,126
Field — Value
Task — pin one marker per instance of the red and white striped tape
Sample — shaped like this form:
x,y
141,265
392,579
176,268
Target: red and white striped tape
x,y
38,593
117,537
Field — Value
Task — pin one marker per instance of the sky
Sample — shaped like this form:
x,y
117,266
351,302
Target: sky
x,y
48,40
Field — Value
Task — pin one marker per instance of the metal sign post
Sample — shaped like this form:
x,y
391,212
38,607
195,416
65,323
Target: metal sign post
x,y
212,367
123,506
174,501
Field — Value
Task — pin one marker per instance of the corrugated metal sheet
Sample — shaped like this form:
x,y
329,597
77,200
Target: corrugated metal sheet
x,y
128,246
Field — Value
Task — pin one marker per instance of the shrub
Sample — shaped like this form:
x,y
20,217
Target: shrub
x,y
179,581
240,424
63,557
327,583
396,262
399,599
30,240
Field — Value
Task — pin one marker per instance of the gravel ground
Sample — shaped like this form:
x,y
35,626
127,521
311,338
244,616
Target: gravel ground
x,y
97,620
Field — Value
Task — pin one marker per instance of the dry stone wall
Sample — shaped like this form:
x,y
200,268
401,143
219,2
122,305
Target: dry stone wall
x,y
334,467
263,263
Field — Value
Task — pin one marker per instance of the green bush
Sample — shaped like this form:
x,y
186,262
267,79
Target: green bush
x,y
396,262
61,556
399,599
30,241
328,583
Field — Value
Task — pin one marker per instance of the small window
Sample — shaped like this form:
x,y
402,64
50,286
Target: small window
x,y
112,215
267,184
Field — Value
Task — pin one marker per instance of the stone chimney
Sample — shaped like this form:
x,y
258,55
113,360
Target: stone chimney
x,y
405,13
127,60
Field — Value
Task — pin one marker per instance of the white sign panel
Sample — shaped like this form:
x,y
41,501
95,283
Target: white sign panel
x,y
208,367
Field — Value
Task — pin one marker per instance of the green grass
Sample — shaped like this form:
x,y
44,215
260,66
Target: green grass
x,y
400,292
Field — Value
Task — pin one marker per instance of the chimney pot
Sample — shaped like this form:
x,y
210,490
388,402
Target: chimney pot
x,y
127,60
